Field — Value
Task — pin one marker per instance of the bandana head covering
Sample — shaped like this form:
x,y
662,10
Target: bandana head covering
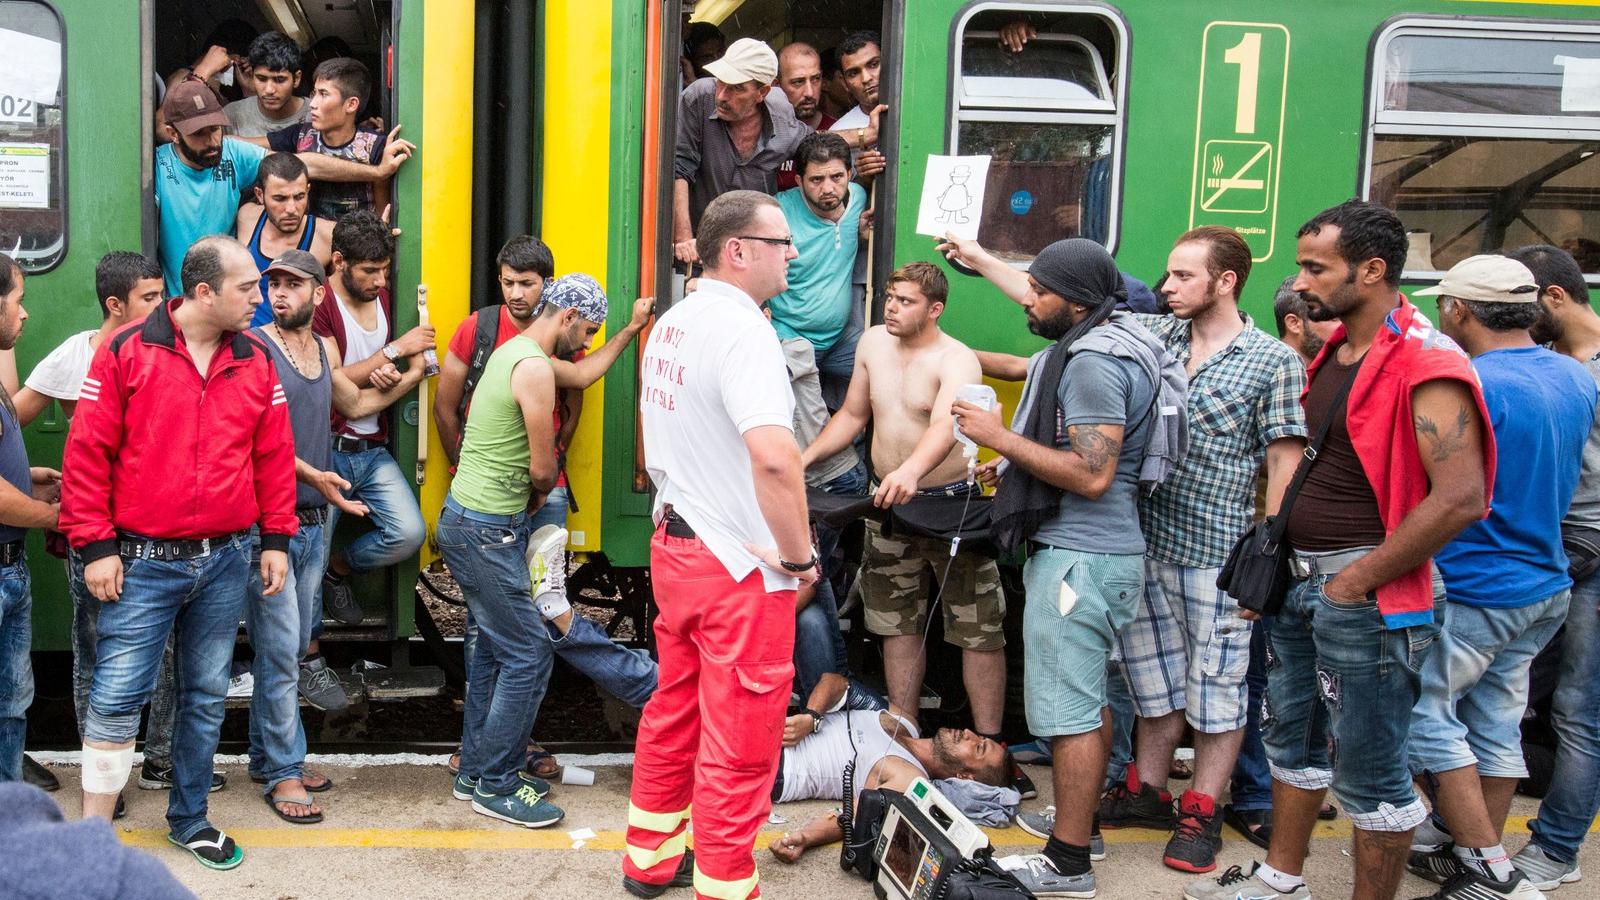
x,y
579,292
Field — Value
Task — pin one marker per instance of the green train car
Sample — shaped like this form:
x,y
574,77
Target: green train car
x,y
1127,122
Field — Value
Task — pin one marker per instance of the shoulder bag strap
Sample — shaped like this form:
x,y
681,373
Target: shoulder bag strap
x,y
1280,522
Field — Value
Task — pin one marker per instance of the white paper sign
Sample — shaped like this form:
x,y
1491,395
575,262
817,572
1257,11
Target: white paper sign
x,y
952,196
24,176
30,67
1580,84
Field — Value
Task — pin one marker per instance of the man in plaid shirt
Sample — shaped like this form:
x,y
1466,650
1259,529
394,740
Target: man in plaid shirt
x,y
1188,649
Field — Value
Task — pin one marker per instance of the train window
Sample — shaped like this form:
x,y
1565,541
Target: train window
x,y
33,214
1050,117
1479,159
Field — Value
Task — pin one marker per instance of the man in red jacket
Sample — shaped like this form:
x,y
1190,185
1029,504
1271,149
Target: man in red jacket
x,y
180,443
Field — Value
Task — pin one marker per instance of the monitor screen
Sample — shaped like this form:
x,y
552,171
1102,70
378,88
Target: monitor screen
x,y
904,855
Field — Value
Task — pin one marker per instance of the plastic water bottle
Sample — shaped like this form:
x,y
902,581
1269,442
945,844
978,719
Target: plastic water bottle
x,y
978,395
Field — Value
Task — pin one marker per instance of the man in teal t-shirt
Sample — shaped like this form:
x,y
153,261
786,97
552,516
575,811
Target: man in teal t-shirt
x,y
824,215
199,176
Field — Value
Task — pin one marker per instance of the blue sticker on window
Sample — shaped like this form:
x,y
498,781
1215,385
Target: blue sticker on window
x,y
1021,202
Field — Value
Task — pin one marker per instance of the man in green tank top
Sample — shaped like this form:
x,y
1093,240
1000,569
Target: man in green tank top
x,y
507,465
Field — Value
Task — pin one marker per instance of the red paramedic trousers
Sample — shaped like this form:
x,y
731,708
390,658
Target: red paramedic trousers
x,y
711,734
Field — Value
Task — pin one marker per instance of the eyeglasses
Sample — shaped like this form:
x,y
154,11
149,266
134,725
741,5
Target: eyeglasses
x,y
781,242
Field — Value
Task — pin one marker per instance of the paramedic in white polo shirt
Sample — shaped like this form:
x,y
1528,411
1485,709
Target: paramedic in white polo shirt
x,y
731,547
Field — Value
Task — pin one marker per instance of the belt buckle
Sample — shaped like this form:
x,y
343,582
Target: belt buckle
x,y
205,548
1299,567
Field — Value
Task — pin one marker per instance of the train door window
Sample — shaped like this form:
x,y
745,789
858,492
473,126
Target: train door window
x,y
33,211
1051,117
1476,158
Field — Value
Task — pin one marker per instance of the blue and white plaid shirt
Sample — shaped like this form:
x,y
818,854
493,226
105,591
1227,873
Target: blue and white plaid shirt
x,y
1243,398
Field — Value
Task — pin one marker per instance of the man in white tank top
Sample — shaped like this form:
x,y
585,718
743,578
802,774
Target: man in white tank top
x,y
887,752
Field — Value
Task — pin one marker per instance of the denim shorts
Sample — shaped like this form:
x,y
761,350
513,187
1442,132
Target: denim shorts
x,y
1076,604
1336,669
1475,688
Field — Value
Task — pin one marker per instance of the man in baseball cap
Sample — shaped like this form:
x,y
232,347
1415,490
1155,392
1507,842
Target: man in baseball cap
x,y
199,175
747,59
1505,577
734,133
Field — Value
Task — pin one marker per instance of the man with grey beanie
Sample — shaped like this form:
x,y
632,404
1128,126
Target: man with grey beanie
x,y
1090,427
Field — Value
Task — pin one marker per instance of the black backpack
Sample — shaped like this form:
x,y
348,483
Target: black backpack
x,y
482,348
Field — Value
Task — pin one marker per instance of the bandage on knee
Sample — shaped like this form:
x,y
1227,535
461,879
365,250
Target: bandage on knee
x,y
106,771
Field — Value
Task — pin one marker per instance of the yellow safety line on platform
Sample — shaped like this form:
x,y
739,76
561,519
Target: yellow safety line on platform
x,y
312,837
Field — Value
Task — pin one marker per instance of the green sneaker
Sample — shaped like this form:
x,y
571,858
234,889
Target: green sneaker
x,y
524,806
464,786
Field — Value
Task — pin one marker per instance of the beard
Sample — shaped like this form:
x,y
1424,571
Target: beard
x,y
1546,329
208,159
944,744
1053,328
295,319
1310,345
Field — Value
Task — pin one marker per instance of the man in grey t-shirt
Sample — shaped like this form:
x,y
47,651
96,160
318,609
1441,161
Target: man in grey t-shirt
x,y
1085,570
275,73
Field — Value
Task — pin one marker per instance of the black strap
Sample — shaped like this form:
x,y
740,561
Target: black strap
x,y
482,348
1280,522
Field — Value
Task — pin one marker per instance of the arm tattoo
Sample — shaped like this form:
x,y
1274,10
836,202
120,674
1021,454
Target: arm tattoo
x,y
1444,444
1094,446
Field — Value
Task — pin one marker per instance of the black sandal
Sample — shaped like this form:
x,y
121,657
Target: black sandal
x,y
306,819
1255,825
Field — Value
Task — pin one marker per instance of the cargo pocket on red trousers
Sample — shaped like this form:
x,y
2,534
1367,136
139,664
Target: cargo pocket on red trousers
x,y
760,696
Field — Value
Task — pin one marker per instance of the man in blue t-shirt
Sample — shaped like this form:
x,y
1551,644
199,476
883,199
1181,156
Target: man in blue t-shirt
x,y
1505,577
201,174
824,215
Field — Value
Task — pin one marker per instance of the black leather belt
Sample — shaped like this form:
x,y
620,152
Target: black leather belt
x,y
346,444
11,554
676,526
139,547
316,515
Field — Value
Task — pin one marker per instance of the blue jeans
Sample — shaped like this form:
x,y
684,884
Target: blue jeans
x,y
1475,688
1335,668
85,634
818,646
1567,811
512,652
1252,779
376,480
202,600
280,631
1120,699
16,666
552,512
835,365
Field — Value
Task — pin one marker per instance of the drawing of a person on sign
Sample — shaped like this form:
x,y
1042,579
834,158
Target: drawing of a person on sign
x,y
956,199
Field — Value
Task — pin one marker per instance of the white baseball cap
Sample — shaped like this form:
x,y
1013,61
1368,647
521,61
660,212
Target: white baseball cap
x,y
747,59
1487,278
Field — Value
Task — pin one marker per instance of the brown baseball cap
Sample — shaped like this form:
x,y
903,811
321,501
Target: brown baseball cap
x,y
298,262
191,106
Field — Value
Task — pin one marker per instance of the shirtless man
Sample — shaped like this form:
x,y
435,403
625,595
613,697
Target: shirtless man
x,y
887,752
906,376
278,220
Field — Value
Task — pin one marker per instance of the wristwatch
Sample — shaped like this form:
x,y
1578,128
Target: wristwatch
x,y
816,719
861,135
391,352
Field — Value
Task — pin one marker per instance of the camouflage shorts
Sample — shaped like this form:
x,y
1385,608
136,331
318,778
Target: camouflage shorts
x,y
898,575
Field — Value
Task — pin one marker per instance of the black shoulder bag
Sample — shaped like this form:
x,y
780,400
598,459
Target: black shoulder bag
x,y
1256,574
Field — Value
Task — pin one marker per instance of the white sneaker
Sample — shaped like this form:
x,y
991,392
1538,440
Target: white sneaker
x,y
1237,884
1546,872
547,561
241,685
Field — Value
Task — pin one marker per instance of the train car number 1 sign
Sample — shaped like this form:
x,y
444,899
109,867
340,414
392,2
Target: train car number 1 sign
x,y
1238,143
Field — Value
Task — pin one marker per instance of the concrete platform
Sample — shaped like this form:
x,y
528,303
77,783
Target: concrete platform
x,y
393,831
